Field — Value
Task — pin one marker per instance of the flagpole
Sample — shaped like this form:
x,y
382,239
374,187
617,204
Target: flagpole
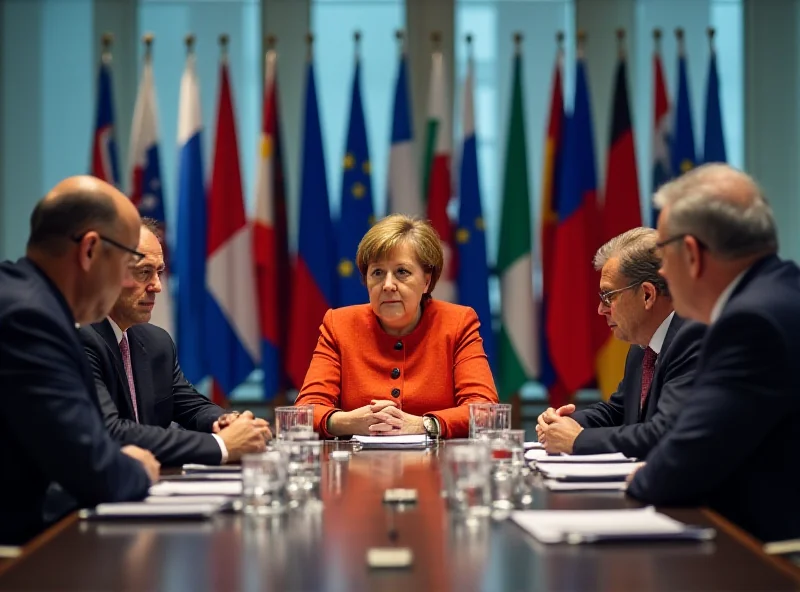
x,y
310,46
679,37
582,36
147,39
657,40
189,40
400,36
621,43
223,47
357,43
711,31
106,42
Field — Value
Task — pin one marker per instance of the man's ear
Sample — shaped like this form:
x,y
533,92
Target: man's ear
x,y
649,293
694,257
88,249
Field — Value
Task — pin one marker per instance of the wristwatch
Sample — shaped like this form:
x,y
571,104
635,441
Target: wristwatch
x,y
431,425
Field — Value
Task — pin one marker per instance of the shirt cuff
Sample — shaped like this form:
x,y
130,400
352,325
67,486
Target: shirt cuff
x,y
222,448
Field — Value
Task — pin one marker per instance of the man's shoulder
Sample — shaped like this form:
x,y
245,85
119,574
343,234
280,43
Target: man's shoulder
x,y
150,334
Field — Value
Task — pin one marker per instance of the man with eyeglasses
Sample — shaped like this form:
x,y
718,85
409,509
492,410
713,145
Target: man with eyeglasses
x,y
55,452
140,384
659,367
736,444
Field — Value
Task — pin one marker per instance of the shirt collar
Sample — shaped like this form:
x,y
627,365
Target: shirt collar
x,y
725,296
657,340
117,331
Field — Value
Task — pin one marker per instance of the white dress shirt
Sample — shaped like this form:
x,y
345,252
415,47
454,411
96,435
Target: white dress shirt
x,y
725,296
220,441
657,340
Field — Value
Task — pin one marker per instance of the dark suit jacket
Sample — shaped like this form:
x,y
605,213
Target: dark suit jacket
x,y
51,431
163,396
617,425
736,444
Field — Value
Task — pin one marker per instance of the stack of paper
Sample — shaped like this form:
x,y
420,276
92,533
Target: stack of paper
x,y
609,457
535,444
554,485
587,472
196,488
384,442
589,526
153,510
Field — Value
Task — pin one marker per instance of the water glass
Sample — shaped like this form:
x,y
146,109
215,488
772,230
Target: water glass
x,y
298,420
480,418
263,481
304,468
501,416
468,468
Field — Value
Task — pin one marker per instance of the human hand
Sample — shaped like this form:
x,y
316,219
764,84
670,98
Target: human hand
x,y
227,419
560,435
245,435
151,466
395,422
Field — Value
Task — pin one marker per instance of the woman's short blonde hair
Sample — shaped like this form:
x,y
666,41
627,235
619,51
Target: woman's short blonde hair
x,y
394,230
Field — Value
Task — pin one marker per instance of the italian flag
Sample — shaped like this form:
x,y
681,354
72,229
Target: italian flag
x,y
518,360
437,180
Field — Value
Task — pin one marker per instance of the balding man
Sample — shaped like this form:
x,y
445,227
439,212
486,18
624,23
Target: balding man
x,y
54,448
736,443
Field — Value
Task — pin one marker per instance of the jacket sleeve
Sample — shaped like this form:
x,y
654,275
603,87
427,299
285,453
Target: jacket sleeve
x,y
728,413
609,413
190,409
322,386
57,422
639,439
472,378
171,447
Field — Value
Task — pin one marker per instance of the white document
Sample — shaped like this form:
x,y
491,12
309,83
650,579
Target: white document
x,y
187,499
538,454
554,485
197,488
608,457
411,441
536,444
588,471
580,526
196,468
150,510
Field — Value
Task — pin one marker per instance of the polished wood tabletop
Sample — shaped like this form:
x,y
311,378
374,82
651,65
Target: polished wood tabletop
x,y
326,550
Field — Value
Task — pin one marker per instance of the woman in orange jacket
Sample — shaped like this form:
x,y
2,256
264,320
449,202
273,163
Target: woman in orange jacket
x,y
404,363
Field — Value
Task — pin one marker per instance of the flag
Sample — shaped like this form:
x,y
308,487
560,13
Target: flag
x,y
549,220
270,240
662,163
404,197
357,213
621,212
315,266
473,281
232,336
437,173
105,164
714,138
683,148
518,358
572,303
146,188
190,250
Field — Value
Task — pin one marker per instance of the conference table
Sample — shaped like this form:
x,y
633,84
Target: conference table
x,y
327,549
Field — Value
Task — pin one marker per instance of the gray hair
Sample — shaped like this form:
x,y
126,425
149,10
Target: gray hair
x,y
639,260
723,208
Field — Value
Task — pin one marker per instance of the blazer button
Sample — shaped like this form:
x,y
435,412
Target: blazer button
x,y
395,392
395,373
398,346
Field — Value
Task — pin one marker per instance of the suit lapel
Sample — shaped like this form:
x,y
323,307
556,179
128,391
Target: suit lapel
x,y
105,331
142,378
635,391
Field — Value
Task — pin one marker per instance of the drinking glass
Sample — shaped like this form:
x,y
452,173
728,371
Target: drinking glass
x,y
263,481
298,419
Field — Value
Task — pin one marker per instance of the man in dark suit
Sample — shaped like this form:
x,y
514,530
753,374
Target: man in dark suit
x,y
736,444
142,389
55,452
660,365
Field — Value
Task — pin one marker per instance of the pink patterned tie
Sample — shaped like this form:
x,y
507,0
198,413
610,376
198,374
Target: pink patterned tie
x,y
126,361
648,366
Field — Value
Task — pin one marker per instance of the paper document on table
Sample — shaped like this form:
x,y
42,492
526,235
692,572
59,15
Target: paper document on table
x,y
197,488
534,444
608,457
589,526
151,510
554,485
538,454
588,471
375,442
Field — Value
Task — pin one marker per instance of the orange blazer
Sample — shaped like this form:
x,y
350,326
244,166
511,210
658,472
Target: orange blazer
x,y
438,369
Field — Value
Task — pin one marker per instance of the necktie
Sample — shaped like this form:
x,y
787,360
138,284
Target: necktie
x,y
648,367
126,361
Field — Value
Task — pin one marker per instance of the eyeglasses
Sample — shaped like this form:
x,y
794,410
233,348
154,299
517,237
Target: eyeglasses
x,y
678,237
606,297
146,275
137,256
